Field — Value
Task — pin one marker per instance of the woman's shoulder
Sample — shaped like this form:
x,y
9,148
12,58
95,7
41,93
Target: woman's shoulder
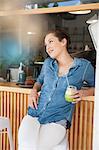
x,y
48,60
82,61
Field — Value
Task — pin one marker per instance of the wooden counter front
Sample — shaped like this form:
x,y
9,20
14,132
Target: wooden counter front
x,y
14,102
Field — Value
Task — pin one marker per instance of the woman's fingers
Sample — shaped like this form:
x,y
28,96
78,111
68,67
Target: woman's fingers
x,y
76,100
30,103
35,103
76,97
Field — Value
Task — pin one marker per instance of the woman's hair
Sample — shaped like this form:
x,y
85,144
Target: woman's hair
x,y
60,34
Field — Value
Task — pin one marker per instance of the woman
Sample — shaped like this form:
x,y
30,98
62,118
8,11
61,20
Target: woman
x,y
49,114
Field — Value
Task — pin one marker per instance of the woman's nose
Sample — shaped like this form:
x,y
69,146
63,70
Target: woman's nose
x,y
47,47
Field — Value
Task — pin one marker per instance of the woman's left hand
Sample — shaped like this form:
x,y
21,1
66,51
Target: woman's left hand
x,y
76,96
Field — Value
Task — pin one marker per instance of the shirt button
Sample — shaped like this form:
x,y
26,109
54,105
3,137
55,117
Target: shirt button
x,y
44,108
49,99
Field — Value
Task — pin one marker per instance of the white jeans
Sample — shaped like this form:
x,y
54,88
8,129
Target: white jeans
x,y
34,136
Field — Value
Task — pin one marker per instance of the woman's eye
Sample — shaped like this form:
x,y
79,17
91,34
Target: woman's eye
x,y
50,41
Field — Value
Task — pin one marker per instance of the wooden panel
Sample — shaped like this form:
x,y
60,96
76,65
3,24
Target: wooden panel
x,y
81,131
14,106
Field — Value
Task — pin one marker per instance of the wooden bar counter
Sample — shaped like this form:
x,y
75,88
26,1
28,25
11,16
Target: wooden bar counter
x,y
14,102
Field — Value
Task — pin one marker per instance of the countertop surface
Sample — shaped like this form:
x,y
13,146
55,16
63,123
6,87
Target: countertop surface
x,y
12,87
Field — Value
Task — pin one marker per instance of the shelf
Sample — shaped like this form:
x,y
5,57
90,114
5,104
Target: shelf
x,y
92,6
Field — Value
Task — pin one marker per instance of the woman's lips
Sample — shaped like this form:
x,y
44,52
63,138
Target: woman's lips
x,y
50,51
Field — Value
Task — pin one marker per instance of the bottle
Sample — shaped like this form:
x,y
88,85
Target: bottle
x,y
55,4
86,48
8,75
21,74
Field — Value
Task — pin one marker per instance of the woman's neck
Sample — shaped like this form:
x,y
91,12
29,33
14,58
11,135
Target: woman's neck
x,y
64,63
65,60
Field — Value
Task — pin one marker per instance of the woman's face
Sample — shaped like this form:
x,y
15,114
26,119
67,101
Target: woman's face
x,y
54,47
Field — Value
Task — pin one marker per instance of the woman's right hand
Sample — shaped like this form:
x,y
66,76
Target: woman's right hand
x,y
33,99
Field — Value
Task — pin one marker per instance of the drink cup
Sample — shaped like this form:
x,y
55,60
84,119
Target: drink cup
x,y
71,90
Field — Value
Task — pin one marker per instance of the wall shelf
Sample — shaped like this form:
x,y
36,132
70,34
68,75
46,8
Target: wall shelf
x,y
92,6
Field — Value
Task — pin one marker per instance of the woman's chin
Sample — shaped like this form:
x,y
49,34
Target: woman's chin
x,y
53,57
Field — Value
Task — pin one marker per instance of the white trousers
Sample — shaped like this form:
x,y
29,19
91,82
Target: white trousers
x,y
34,136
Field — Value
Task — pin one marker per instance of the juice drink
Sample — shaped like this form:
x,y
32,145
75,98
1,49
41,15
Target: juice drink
x,y
71,90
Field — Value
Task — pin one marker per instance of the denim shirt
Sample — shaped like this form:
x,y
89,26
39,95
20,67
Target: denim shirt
x,y
52,106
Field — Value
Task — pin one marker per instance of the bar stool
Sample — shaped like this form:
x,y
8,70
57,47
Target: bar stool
x,y
5,123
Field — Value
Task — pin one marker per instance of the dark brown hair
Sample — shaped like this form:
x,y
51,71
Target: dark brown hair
x,y
60,34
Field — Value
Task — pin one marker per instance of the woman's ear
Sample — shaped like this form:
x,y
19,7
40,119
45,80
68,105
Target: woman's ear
x,y
64,42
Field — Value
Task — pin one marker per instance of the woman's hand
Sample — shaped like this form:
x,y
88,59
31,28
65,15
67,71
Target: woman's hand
x,y
76,97
79,94
33,99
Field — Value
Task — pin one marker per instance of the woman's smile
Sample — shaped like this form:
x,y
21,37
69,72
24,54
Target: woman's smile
x,y
50,51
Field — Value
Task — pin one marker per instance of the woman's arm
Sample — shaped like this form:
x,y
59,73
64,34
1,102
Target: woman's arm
x,y
79,94
87,92
37,86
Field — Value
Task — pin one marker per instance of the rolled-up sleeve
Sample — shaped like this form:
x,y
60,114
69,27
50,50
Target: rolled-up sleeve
x,y
40,78
89,75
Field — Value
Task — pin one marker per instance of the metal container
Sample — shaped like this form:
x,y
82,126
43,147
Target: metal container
x,y
14,74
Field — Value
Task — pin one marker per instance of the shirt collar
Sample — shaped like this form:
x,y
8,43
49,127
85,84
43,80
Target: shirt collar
x,y
75,65
54,65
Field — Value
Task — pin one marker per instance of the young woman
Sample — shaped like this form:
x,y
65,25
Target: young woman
x,y
49,114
